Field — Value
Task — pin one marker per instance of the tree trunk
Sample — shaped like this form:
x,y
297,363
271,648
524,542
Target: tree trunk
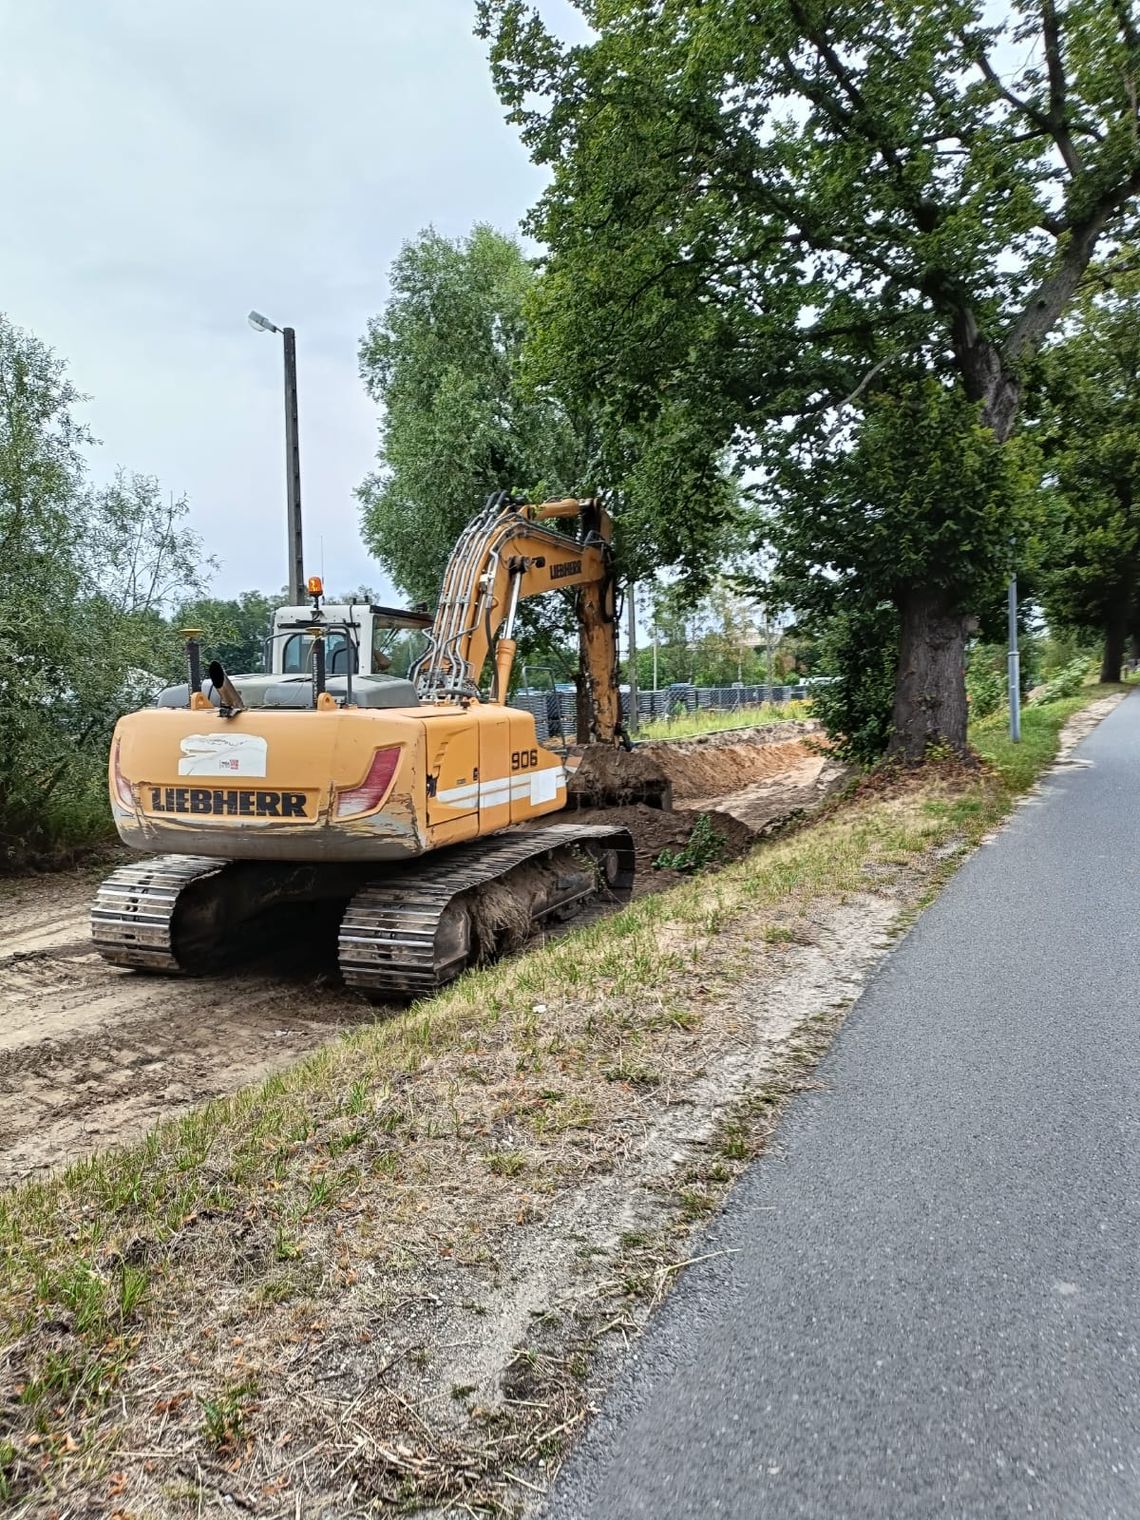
x,y
930,685
582,714
1116,634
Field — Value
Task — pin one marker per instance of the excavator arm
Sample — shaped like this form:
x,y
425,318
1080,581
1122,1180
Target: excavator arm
x,y
505,556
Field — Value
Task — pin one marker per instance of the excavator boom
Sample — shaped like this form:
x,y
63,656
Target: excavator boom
x,y
505,556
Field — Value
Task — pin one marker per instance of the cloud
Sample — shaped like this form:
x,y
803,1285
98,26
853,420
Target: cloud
x,y
167,168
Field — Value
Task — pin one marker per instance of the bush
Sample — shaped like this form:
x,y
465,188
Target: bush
x,y
705,848
859,647
985,687
1067,684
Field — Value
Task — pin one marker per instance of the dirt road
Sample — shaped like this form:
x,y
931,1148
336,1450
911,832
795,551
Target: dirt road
x,y
91,1055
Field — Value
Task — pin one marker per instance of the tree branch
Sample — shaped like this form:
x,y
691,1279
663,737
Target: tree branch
x,y
1050,31
972,45
1127,30
1052,295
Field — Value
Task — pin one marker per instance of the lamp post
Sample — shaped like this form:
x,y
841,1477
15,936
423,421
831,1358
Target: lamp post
x,y
1014,663
292,456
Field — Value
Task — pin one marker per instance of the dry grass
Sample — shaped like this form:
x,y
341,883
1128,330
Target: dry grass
x,y
389,1277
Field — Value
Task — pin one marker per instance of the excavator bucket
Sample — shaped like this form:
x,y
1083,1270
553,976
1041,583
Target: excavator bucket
x,y
605,776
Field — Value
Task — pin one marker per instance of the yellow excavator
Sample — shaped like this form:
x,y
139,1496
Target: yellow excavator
x,y
394,803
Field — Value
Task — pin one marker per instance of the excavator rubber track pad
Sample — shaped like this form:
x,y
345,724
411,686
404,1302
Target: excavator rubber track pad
x,y
390,944
133,914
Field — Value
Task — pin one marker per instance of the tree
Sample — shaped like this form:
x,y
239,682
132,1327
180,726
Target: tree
x,y
1089,422
757,214
915,489
137,548
234,630
41,485
83,579
442,360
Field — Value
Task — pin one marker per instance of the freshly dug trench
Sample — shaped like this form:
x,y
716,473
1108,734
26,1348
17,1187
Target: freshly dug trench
x,y
663,771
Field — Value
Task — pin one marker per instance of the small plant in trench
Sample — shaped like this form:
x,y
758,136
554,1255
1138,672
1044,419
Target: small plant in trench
x,y
704,848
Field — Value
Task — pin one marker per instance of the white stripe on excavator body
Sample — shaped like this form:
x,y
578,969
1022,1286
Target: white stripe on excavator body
x,y
539,786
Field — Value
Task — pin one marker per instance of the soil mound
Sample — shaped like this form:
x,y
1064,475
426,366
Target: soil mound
x,y
664,771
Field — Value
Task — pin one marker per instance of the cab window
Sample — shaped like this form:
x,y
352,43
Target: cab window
x,y
297,656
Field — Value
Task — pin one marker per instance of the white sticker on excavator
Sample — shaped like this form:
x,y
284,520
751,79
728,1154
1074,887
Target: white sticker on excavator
x,y
232,754
544,785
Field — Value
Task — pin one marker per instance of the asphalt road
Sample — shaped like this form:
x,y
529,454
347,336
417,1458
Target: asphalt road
x,y
934,1308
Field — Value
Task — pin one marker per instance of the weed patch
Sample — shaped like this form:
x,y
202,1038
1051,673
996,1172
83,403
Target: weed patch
x,y
703,848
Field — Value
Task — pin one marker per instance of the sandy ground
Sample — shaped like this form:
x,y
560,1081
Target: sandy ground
x,y
91,1055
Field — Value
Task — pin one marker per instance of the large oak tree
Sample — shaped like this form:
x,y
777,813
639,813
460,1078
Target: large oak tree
x,y
1088,420
757,211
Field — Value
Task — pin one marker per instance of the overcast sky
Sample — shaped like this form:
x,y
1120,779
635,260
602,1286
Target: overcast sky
x,y
165,168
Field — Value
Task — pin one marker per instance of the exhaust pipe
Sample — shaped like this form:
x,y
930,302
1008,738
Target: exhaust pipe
x,y
228,694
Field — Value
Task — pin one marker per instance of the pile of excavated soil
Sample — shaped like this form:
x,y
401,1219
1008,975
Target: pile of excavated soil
x,y
748,783
605,777
728,762
657,829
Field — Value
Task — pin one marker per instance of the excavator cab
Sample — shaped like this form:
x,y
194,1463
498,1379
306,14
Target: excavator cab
x,y
356,641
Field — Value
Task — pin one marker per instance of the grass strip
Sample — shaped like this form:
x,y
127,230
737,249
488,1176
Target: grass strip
x,y
692,725
167,1310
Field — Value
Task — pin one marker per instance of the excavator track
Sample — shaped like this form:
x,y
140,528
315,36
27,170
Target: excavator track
x,y
132,919
399,936
403,934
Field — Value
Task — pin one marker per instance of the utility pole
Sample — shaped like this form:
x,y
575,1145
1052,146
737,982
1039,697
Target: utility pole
x,y
1014,667
296,555
293,471
634,717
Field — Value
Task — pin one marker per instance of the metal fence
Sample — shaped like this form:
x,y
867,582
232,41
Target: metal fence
x,y
554,711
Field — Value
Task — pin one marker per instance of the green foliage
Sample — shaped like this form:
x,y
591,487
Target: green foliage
x,y
1067,683
234,630
704,847
985,687
761,218
442,360
84,575
918,494
1088,420
1061,647
226,1416
858,646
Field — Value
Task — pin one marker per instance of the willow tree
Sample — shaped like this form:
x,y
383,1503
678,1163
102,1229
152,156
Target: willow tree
x,y
756,211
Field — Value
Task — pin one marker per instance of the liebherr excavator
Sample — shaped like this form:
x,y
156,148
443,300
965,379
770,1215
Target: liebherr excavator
x,y
395,800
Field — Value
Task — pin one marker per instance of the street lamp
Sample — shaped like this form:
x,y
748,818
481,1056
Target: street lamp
x,y
292,456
